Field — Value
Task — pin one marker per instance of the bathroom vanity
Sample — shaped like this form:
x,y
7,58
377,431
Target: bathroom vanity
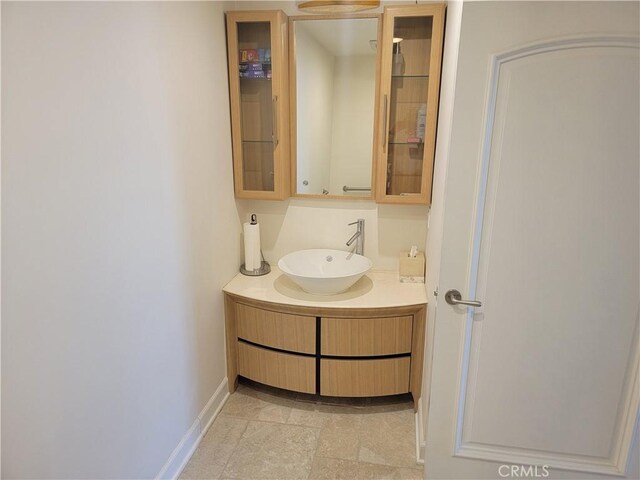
x,y
366,342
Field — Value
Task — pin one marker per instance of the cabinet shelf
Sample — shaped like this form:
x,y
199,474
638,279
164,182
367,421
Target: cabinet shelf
x,y
409,76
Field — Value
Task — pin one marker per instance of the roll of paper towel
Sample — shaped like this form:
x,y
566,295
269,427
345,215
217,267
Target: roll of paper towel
x,y
252,256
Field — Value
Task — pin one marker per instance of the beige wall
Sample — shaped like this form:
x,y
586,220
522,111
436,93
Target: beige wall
x,y
297,224
119,229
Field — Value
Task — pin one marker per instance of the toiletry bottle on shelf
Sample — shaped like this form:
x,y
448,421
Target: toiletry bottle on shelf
x,y
421,122
398,61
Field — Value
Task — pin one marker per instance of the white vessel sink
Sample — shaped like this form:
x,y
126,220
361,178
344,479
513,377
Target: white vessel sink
x,y
323,271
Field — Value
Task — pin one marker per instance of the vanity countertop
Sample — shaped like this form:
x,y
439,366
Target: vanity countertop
x,y
376,289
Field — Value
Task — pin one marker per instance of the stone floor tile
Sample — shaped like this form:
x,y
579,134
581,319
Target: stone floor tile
x,y
308,415
266,433
256,405
388,438
339,437
318,414
405,473
338,469
393,403
214,450
273,451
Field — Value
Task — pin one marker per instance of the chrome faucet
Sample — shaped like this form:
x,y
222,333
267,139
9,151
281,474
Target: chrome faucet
x,y
358,237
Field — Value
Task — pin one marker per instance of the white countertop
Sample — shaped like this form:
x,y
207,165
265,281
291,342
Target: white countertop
x,y
374,290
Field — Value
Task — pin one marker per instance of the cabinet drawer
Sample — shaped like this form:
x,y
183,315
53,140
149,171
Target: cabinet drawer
x,y
282,370
364,378
295,333
366,336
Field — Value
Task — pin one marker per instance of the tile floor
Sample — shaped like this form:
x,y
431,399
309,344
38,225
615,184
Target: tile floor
x,y
264,433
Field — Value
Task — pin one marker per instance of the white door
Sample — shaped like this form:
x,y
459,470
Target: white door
x,y
540,221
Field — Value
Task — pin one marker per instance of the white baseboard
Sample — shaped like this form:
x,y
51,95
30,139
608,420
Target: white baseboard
x,y
190,441
420,434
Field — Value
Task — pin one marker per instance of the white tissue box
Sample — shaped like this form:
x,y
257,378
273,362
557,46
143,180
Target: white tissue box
x,y
412,268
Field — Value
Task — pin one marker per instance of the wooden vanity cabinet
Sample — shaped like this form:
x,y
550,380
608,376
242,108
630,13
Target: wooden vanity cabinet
x,y
355,352
259,98
412,42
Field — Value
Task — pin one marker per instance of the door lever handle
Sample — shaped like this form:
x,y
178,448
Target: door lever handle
x,y
454,297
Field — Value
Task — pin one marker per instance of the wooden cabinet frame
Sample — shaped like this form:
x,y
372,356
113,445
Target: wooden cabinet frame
x,y
436,11
280,95
415,357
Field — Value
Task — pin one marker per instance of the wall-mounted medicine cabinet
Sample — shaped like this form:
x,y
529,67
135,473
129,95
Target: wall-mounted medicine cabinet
x,y
409,89
258,88
335,106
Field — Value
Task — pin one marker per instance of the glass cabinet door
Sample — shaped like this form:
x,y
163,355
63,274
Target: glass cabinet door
x,y
257,76
412,54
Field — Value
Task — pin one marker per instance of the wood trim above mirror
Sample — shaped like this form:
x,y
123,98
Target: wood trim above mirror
x,y
334,16
338,6
293,104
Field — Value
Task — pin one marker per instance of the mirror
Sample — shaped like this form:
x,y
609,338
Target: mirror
x,y
333,97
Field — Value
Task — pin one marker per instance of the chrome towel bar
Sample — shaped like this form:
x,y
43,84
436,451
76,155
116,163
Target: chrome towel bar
x,y
356,189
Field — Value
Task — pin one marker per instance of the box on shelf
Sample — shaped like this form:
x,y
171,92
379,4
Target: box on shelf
x,y
264,54
251,67
249,55
255,55
255,74
412,268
